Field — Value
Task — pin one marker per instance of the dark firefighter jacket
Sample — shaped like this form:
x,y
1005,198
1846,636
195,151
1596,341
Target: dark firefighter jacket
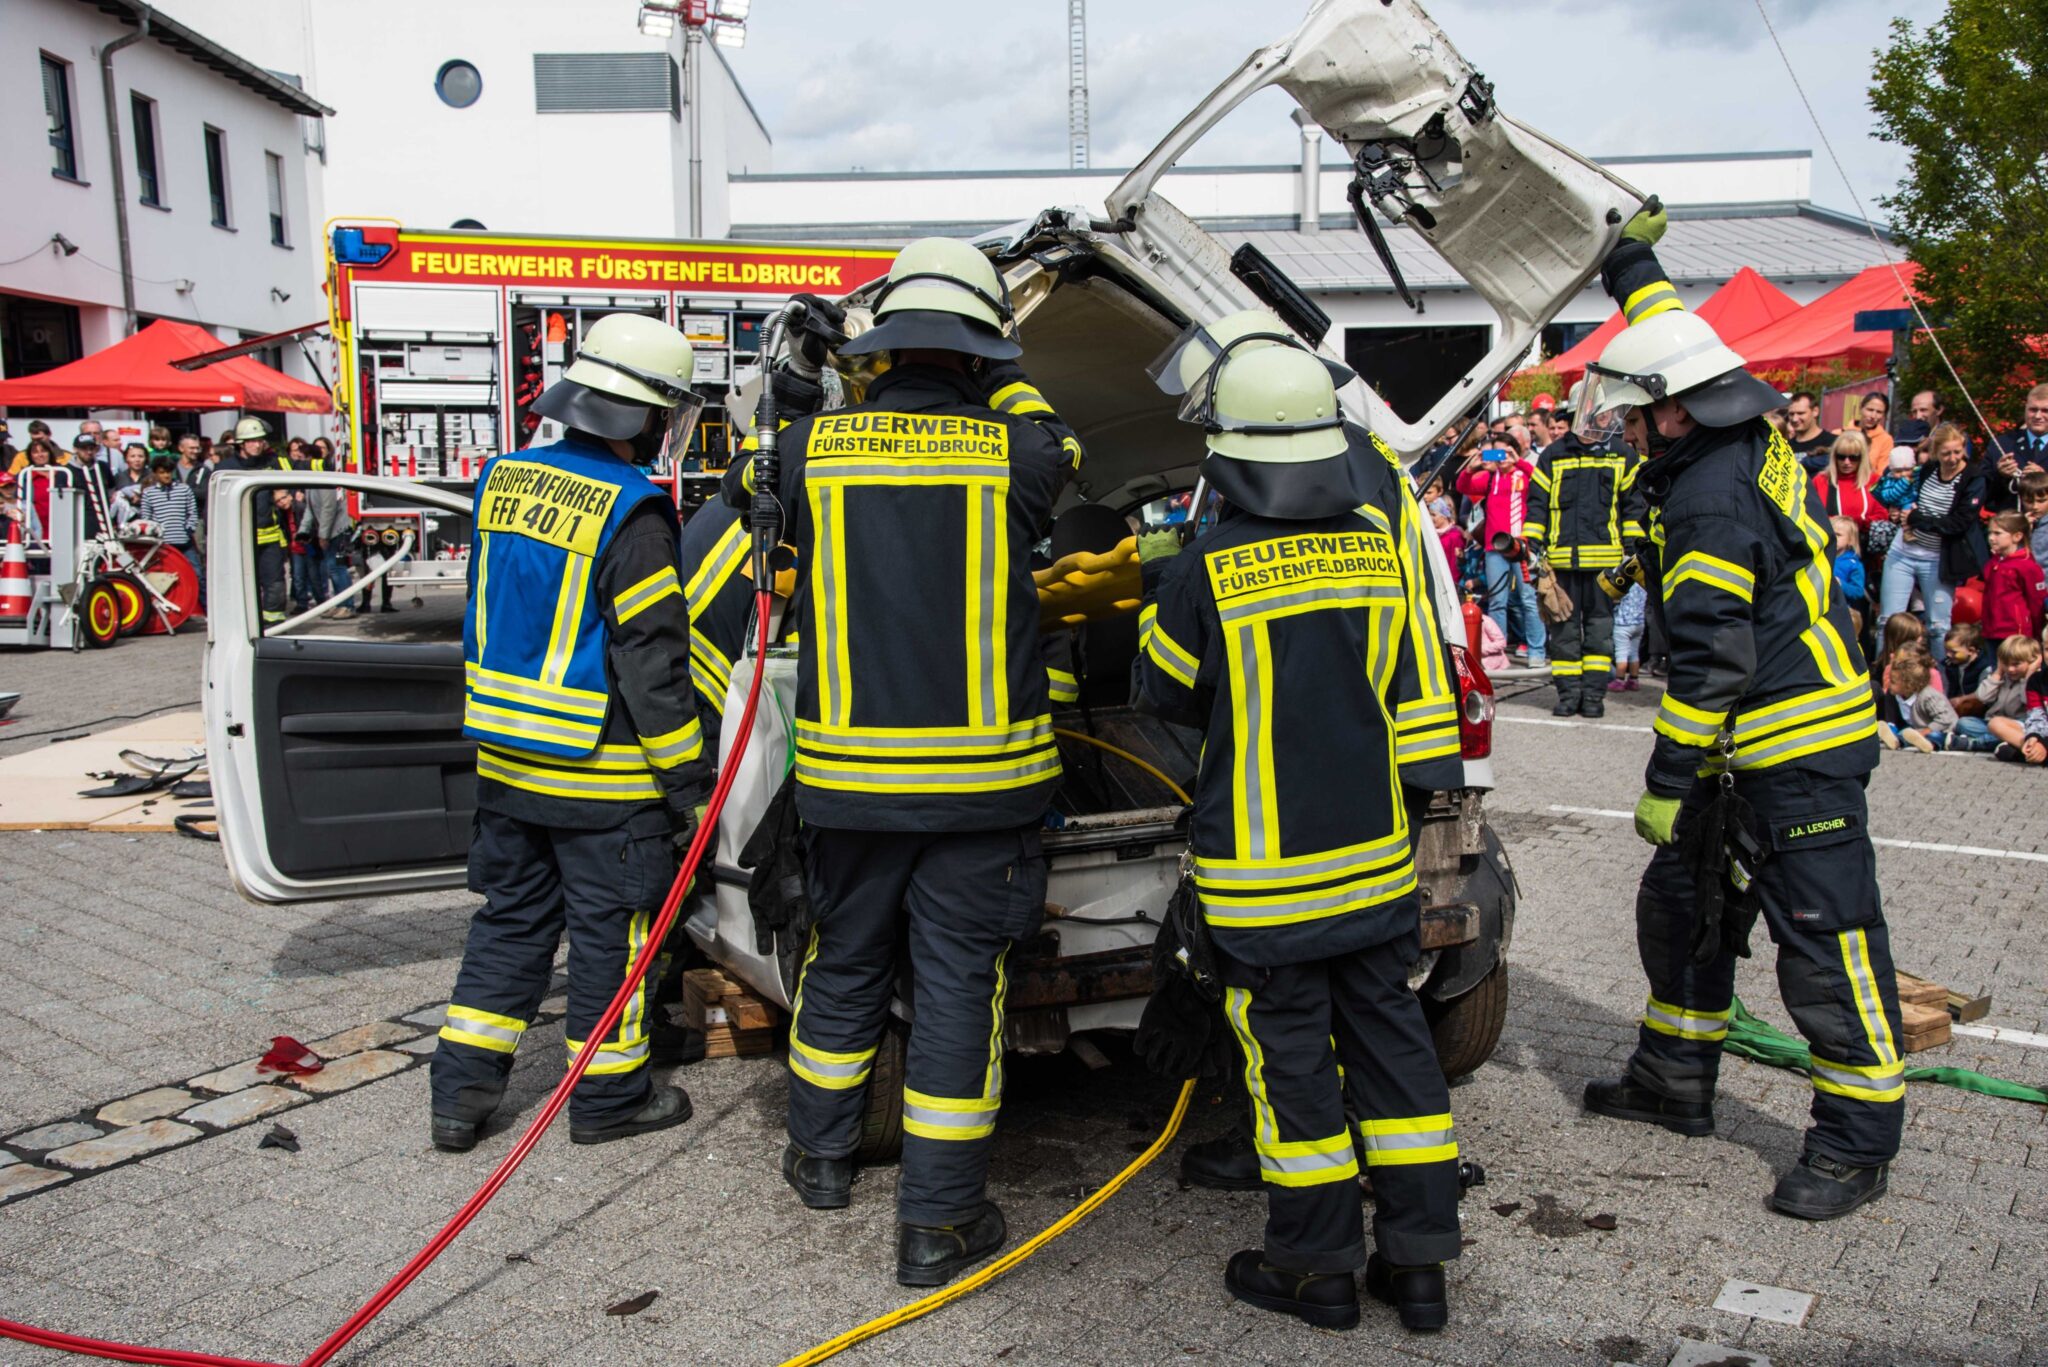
x,y
1262,634
921,689
1584,504
719,592
1765,670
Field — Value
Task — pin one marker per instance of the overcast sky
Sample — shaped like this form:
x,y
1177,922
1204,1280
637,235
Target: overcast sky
x,y
966,84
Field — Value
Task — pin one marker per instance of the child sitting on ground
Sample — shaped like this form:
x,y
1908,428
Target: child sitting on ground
x,y
1849,578
2034,503
2001,696
1963,661
1923,711
1631,621
2033,746
1902,631
2015,586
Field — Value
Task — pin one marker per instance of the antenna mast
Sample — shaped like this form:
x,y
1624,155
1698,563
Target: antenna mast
x,y
1077,84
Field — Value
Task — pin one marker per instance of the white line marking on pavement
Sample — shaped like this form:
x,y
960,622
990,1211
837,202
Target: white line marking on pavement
x,y
1568,721
2003,1034
1928,846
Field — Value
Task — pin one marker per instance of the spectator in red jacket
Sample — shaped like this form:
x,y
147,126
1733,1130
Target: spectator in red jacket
x,y
1497,479
2015,587
1844,487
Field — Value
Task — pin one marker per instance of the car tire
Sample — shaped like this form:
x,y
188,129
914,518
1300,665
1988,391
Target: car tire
x,y
99,614
1467,1028
881,1123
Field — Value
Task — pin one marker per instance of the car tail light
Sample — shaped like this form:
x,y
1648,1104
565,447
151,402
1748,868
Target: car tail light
x,y
1475,706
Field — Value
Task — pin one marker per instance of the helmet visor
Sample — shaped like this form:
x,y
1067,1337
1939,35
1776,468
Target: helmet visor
x,y
1605,402
1189,361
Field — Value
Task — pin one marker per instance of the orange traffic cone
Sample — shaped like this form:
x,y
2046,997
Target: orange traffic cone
x,y
16,593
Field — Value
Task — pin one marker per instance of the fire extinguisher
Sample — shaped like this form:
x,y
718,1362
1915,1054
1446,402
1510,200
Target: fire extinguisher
x,y
1472,638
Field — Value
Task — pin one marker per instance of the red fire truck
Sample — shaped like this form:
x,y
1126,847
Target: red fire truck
x,y
445,338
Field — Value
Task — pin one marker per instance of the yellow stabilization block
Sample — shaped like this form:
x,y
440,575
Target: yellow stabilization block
x,y
1085,585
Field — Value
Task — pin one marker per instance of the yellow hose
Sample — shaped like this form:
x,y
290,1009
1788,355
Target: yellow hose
x,y
1146,765
919,1308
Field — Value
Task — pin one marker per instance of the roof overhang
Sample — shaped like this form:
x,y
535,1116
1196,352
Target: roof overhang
x,y
208,53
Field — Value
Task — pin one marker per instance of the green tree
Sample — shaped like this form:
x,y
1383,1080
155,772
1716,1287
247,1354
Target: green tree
x,y
1968,100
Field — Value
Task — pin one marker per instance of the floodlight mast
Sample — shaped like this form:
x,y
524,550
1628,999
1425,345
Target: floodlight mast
x,y
1077,84
727,22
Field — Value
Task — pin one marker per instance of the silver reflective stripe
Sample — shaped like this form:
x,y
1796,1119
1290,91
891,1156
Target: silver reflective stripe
x,y
692,739
1427,713
1841,1077
1658,295
813,1064
826,471
509,1038
1294,906
920,775
1254,684
1705,730
1309,1162
985,589
1691,1025
625,783
1419,1139
1718,577
1307,871
825,601
1347,595
1850,695
629,603
629,1053
524,725
533,692
730,548
951,1120
1024,734
1839,731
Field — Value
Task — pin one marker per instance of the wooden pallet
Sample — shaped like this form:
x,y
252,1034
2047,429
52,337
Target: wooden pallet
x,y
39,788
736,1022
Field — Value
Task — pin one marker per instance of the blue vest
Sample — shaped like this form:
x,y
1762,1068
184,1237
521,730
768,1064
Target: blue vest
x,y
533,639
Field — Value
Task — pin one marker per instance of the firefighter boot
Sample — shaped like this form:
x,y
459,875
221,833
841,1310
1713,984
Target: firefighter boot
x,y
667,1106
1328,1300
821,1183
932,1255
1416,1293
1626,1099
1820,1188
456,1131
1225,1163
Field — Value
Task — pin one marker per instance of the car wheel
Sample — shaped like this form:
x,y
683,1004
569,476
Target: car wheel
x,y
881,1123
1466,1029
100,613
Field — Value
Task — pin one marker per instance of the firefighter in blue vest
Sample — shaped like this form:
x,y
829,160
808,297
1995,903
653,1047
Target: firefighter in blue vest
x,y
1304,861
591,763
1754,793
925,758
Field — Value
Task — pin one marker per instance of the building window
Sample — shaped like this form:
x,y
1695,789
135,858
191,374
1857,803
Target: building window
x,y
458,84
217,174
273,179
57,104
143,114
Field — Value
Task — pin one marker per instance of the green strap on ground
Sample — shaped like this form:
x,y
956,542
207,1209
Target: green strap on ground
x,y
1766,1043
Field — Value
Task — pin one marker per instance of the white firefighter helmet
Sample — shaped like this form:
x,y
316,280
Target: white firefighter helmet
x,y
943,294
1181,368
1273,406
1674,354
252,429
627,366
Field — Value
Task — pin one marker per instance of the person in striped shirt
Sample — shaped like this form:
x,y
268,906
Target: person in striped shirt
x,y
167,502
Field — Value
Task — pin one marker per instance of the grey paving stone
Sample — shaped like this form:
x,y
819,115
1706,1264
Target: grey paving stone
x,y
20,1179
425,1044
353,1071
1773,1303
56,1136
122,1145
239,1108
1691,1353
231,1079
153,1104
375,1035
432,1017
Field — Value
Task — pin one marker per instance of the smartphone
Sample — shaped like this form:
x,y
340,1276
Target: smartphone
x,y
1493,455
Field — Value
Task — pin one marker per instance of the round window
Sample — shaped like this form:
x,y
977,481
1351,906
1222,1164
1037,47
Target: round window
x,y
458,84
468,223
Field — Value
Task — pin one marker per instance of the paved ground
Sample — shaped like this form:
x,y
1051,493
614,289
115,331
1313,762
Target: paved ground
x,y
131,966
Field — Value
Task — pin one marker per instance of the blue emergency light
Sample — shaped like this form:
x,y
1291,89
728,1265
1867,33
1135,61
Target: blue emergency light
x,y
351,250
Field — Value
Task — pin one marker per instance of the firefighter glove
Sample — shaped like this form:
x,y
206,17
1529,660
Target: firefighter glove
x,y
1158,545
1655,817
686,830
1648,225
1175,1028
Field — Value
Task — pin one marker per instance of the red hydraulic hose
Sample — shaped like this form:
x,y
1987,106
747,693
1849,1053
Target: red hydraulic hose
x,y
375,1306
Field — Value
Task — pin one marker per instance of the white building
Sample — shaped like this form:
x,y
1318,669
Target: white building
x,y
192,206
523,116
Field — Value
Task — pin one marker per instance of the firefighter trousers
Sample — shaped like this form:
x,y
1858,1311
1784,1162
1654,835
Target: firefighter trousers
x,y
1312,1035
957,901
1818,886
1582,646
271,591
604,888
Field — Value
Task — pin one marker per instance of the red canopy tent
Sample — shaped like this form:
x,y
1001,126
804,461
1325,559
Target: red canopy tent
x,y
1744,304
1825,330
137,373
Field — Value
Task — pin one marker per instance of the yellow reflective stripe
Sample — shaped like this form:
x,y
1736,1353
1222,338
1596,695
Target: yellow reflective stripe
x,y
555,697
590,785
1712,571
1407,1140
710,671
1684,1023
482,1029
976,592
727,554
945,1117
1062,686
1258,911
835,1072
1818,705
1564,669
1254,874
1659,296
671,748
927,742
602,759
1308,1162
570,597
631,1020
1171,657
926,776
622,1056
1843,729
526,726
1237,1007
482,552
837,659
1869,1001
1072,447
1686,724
1540,479
992,1076
1254,803
1018,398
647,593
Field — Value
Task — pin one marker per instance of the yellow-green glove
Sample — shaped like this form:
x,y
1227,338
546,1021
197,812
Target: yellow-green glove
x,y
1159,545
1655,816
1648,225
